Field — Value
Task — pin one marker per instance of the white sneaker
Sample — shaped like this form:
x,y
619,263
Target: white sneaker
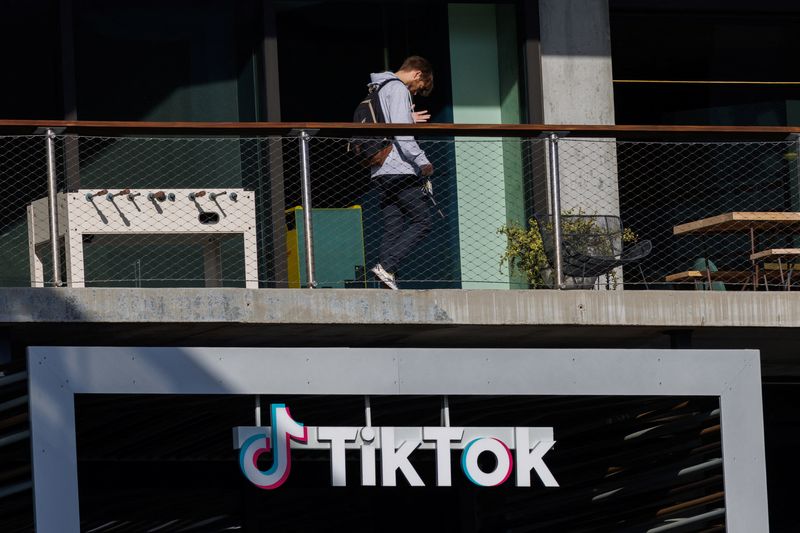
x,y
386,278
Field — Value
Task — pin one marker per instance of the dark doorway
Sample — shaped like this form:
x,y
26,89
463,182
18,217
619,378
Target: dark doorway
x,y
29,38
328,49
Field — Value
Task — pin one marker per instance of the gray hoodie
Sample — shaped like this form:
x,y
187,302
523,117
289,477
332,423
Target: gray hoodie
x,y
406,156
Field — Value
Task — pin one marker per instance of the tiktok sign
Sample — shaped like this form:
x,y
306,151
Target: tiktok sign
x,y
284,430
396,446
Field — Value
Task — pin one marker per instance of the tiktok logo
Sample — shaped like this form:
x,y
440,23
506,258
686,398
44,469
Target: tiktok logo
x,y
284,429
396,446
469,462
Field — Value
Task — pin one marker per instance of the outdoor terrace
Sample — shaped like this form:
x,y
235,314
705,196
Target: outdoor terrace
x,y
100,204
215,271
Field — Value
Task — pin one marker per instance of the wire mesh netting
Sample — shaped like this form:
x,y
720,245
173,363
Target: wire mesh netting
x,y
227,212
719,215
444,230
23,167
149,212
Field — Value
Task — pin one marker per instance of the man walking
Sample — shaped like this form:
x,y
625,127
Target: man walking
x,y
403,174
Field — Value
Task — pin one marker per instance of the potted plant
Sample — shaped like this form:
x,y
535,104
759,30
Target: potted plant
x,y
525,254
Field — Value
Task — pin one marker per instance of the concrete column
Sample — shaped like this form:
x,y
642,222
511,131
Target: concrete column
x,y
576,62
577,88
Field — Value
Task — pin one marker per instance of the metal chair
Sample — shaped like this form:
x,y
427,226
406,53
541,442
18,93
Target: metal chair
x,y
591,246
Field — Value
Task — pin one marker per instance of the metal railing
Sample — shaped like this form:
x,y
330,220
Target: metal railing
x,y
168,205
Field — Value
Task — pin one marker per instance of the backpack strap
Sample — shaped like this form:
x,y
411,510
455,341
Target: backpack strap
x,y
380,86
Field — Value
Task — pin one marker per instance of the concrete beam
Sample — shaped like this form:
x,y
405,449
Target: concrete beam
x,y
669,309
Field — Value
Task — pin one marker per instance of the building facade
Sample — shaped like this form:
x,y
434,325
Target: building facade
x,y
176,313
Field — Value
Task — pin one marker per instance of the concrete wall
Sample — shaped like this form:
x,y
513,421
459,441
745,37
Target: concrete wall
x,y
127,308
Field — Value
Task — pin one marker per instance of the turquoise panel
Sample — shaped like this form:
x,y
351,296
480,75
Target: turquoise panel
x,y
489,171
338,245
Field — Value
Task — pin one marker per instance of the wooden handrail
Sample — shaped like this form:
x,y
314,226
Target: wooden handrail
x,y
334,129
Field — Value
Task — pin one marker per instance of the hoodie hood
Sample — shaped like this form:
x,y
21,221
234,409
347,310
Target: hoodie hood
x,y
379,77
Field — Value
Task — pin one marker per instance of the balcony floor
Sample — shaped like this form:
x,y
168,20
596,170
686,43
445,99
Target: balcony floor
x,y
769,321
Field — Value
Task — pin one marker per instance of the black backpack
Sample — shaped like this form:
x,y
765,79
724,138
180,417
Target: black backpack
x,y
371,151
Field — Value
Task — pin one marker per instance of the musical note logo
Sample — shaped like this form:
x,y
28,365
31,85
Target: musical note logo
x,y
284,430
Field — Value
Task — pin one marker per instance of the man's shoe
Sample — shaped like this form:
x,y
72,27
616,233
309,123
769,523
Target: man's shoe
x,y
386,278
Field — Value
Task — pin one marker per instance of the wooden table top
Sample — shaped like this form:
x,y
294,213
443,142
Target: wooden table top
x,y
740,221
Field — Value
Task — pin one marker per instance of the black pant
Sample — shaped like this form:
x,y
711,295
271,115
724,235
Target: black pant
x,y
406,217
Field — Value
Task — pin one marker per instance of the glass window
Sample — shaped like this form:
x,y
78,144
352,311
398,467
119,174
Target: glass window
x,y
166,61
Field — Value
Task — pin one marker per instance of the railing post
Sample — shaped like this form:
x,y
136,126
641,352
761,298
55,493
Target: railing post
x,y
52,199
306,193
555,192
445,417
367,411
794,176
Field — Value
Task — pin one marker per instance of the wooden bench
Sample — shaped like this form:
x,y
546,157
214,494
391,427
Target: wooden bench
x,y
738,277
776,253
786,262
729,276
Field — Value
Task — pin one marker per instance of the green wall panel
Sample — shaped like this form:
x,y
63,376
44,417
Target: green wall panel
x,y
489,171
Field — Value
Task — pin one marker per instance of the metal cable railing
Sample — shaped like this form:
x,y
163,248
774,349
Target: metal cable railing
x,y
174,209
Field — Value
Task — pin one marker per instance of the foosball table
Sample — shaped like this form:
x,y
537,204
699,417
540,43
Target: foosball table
x,y
195,216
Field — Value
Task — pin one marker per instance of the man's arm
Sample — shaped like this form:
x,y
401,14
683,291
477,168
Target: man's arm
x,y
397,110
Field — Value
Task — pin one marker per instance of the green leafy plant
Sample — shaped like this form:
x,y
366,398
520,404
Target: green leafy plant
x,y
525,254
